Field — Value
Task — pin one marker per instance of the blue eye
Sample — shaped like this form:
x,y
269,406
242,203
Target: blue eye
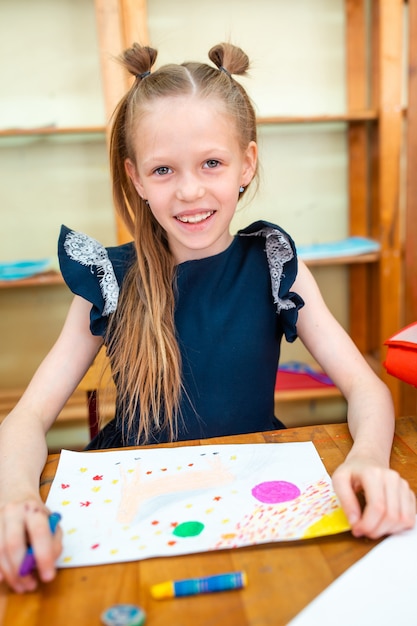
x,y
161,171
211,163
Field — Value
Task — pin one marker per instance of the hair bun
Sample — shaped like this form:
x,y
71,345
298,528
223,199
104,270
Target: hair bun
x,y
231,58
139,60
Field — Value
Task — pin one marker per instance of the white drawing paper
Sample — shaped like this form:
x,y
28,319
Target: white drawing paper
x,y
379,589
132,504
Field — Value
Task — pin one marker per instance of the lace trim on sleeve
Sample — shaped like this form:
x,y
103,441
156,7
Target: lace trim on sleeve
x,y
278,251
90,253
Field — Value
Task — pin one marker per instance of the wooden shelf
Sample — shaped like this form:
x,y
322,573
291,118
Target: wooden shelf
x,y
352,116
40,280
54,278
372,257
302,395
75,410
52,130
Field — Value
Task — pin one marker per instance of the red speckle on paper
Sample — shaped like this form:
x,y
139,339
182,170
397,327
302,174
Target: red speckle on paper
x,y
98,477
95,546
64,486
155,522
86,503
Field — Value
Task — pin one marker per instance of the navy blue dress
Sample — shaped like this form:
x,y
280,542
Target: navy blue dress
x,y
232,310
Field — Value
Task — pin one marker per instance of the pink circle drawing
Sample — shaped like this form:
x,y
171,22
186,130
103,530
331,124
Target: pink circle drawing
x,y
275,491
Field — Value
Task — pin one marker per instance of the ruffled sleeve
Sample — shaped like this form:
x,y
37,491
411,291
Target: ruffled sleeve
x,y
282,261
93,272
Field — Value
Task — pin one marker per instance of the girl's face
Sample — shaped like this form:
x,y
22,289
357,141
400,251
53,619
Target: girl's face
x,y
189,166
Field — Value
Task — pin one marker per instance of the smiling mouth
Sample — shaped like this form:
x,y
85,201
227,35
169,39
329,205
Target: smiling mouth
x,y
194,219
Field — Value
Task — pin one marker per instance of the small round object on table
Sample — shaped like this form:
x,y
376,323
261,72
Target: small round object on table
x,y
123,615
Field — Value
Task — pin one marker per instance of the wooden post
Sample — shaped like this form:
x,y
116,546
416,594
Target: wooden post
x,y
119,24
135,22
409,404
358,176
388,98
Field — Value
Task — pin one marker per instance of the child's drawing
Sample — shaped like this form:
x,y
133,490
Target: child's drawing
x,y
135,504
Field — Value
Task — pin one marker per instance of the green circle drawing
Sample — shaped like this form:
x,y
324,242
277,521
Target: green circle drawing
x,y
188,529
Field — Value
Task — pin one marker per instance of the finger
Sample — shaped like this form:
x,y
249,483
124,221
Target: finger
x,y
13,548
346,494
373,511
401,505
389,508
46,545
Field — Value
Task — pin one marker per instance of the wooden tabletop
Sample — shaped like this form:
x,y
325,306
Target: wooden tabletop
x,y
283,577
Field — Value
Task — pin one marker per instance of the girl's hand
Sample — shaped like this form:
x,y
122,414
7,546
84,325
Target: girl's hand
x,y
390,505
22,523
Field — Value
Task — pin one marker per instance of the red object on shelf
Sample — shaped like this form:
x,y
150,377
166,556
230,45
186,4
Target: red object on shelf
x,y
294,375
401,358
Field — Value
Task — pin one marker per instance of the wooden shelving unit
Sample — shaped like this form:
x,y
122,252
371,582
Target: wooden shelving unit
x,y
373,119
373,123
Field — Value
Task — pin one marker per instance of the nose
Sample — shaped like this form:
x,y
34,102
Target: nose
x,y
190,188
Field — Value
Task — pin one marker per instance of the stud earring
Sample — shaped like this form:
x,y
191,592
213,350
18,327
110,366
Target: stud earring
x,y
241,189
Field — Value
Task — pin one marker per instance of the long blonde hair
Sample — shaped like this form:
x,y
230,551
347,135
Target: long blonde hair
x,y
141,336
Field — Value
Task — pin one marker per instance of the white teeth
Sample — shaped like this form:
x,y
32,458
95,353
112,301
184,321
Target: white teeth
x,y
194,219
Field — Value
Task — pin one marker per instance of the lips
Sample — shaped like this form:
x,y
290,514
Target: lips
x,y
194,218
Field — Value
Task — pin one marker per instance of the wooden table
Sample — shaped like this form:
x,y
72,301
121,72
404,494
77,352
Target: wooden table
x,y
283,577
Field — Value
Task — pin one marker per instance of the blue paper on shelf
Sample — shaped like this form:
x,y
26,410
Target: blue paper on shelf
x,y
16,270
351,246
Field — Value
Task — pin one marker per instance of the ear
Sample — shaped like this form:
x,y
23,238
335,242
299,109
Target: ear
x,y
250,160
134,177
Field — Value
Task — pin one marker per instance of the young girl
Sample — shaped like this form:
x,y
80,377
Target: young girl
x,y
192,317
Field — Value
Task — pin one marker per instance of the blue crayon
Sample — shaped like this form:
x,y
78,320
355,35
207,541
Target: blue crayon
x,y
29,562
193,586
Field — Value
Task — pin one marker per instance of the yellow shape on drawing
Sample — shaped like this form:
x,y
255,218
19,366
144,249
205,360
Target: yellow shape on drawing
x,y
83,469
67,559
329,524
65,502
228,536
